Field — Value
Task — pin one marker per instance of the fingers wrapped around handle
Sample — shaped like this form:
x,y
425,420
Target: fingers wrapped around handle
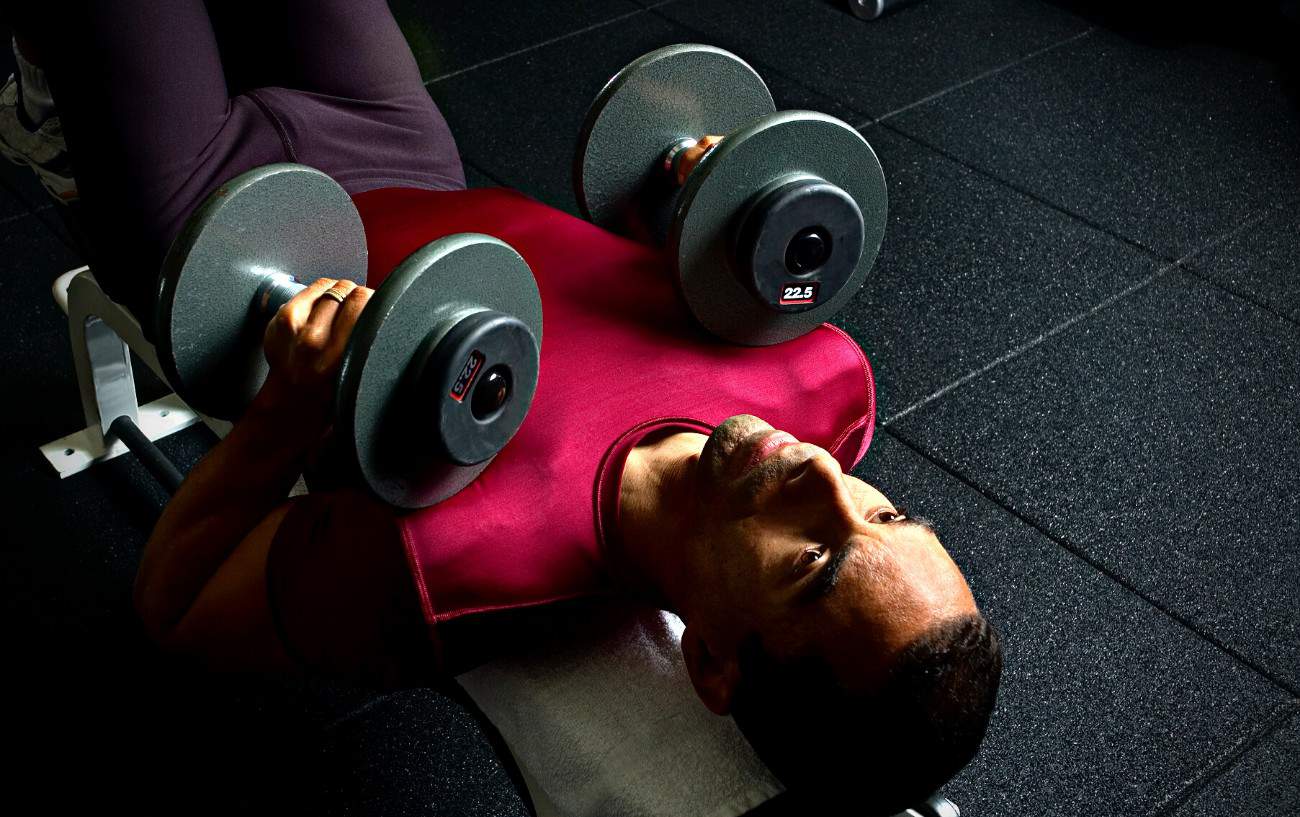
x,y
306,339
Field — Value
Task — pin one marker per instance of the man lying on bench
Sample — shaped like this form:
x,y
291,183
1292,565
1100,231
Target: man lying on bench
x,y
830,623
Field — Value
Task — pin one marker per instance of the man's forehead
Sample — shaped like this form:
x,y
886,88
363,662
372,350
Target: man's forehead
x,y
861,486
892,589
876,555
894,564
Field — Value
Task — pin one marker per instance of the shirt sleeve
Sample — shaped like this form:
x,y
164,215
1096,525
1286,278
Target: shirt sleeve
x,y
340,592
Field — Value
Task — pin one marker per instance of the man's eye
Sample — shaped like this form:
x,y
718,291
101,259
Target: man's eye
x,y
887,515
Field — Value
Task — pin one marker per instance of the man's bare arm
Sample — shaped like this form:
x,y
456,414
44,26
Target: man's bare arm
x,y
244,480
242,483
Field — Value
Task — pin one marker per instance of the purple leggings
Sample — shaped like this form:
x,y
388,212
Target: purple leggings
x,y
162,101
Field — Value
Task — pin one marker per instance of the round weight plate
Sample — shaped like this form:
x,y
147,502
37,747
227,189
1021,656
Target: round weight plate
x,y
379,409
785,145
280,218
678,92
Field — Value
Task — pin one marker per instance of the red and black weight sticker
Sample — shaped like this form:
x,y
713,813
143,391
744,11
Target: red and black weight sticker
x,y
466,377
802,293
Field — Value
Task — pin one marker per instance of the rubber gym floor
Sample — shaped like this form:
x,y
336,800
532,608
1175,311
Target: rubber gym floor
x,y
1084,324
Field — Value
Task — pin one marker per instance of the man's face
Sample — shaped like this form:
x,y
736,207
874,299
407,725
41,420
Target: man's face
x,y
813,560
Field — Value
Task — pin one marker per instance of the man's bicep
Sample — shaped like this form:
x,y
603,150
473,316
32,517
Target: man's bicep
x,y
230,626
322,587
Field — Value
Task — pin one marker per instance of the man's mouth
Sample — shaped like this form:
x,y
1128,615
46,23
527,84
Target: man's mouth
x,y
764,447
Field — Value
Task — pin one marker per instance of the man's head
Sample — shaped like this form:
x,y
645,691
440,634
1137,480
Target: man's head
x,y
832,626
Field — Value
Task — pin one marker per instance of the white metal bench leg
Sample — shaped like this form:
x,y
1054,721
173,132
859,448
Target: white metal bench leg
x,y
104,374
103,336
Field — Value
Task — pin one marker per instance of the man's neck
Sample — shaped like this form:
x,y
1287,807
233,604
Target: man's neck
x,y
655,502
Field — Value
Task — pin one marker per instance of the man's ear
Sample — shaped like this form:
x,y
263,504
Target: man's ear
x,y
713,674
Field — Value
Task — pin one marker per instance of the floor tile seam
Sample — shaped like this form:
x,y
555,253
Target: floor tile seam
x,y
992,72
1249,222
479,169
1026,346
357,711
1244,297
871,119
7,185
31,213
767,68
38,212
534,47
1036,197
1186,263
988,494
58,230
15,217
1212,771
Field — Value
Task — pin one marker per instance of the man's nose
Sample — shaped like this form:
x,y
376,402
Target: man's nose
x,y
823,482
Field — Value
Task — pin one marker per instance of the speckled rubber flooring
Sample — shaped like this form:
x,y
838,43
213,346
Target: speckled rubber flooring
x,y
1085,322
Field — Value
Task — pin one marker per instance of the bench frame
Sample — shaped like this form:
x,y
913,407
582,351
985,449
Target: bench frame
x,y
103,335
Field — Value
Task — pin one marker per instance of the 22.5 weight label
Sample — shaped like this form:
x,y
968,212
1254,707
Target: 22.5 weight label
x,y
792,294
467,374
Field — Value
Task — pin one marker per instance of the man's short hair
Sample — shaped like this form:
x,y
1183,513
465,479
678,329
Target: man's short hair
x,y
884,750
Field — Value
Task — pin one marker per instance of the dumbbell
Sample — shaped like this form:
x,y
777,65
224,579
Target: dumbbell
x,y
772,219
439,371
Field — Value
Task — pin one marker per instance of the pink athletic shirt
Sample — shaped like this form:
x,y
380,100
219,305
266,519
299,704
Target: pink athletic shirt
x,y
620,358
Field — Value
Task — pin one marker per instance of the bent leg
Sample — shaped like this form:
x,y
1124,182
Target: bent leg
x,y
344,48
345,89
149,123
136,79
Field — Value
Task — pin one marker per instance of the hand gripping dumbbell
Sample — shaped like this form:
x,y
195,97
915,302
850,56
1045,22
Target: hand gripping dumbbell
x,y
440,369
773,219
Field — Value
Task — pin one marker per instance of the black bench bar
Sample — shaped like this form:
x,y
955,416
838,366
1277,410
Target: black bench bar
x,y
150,455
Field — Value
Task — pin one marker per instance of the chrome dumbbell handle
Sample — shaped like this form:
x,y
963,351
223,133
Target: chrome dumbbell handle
x,y
276,290
684,155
